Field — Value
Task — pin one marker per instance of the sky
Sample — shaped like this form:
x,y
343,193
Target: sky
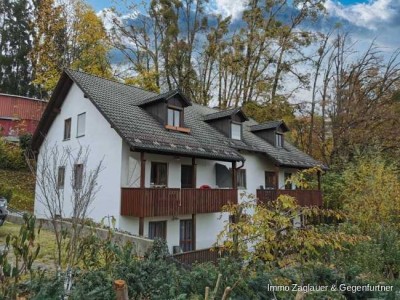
x,y
365,19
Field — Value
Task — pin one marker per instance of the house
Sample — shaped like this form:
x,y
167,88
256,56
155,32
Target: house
x,y
170,165
19,115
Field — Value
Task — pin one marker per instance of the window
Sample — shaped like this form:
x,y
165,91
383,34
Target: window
x,y
278,140
236,131
186,235
174,117
187,176
78,176
80,128
241,179
61,177
270,180
67,129
288,184
158,230
158,176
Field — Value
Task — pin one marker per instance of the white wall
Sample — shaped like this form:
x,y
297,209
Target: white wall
x,y
104,144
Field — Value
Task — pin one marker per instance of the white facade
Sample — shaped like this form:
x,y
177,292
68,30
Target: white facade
x,y
104,145
122,169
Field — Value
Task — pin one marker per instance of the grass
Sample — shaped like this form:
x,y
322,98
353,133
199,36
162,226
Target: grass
x,y
46,239
22,185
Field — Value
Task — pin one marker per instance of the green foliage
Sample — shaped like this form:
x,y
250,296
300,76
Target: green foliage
x,y
274,238
371,194
15,46
332,187
24,251
25,141
11,156
96,285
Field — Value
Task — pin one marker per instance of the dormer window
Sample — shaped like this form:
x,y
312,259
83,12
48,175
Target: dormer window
x,y
278,140
168,108
229,122
174,117
236,131
272,132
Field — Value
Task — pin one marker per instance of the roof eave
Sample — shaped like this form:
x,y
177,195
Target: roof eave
x,y
52,109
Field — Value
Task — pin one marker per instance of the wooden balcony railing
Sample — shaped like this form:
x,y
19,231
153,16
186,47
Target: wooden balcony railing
x,y
198,256
303,197
153,202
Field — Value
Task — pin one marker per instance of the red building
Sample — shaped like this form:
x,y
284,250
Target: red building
x,y
19,115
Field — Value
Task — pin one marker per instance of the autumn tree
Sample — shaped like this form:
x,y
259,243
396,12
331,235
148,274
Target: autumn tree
x,y
267,233
371,194
67,35
162,41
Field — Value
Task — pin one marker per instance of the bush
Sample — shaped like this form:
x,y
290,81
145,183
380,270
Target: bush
x,y
11,156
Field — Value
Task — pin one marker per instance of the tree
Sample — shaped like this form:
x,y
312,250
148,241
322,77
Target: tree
x,y
67,36
266,232
15,46
162,41
50,195
371,194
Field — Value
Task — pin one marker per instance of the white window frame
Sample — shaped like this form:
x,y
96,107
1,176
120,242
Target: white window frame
x,y
236,135
81,125
278,140
175,119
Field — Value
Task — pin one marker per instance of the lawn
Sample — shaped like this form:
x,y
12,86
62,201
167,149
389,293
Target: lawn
x,y
22,184
46,240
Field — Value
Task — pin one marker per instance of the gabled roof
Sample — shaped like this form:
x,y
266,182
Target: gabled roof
x,y
163,97
226,113
120,105
270,125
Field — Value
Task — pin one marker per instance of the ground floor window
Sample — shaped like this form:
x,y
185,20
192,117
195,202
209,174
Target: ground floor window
x,y
186,235
158,230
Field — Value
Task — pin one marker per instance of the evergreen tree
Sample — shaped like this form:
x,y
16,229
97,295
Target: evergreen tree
x,y
15,46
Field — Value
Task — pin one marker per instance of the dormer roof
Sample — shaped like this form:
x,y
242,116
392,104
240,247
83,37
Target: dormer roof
x,y
165,97
226,113
270,125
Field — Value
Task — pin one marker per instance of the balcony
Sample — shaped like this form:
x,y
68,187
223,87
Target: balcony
x,y
303,197
154,202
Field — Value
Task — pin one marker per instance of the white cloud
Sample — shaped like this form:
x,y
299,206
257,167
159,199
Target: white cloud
x,y
232,8
368,15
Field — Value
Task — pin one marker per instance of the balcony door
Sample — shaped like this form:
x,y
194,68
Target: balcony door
x,y
187,176
186,235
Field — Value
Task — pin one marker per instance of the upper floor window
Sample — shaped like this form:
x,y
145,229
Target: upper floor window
x,y
78,176
288,183
158,174
81,125
278,140
67,129
61,177
236,131
270,180
174,117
